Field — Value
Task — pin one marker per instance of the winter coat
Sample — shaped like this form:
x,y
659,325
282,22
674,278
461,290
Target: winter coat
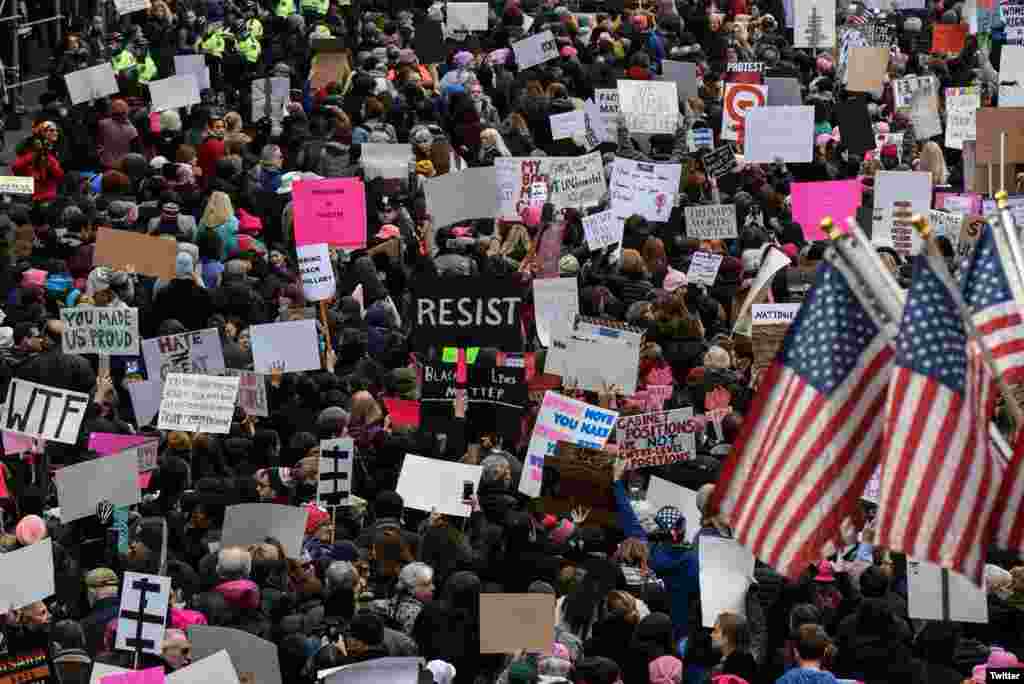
x,y
184,301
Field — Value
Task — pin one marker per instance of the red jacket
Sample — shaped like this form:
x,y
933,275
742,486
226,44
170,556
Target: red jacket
x,y
210,152
47,178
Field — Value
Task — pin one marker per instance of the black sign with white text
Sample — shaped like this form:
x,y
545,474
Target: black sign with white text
x,y
467,312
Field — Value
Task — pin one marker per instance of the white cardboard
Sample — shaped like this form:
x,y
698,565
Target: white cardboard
x,y
216,668
193,64
711,221
145,396
567,124
467,16
536,49
28,575
156,605
17,185
703,268
428,483
41,411
327,467
556,302
91,83
649,106
645,189
914,187
764,314
376,671
198,403
772,133
967,602
246,524
196,351
174,92
603,229
292,345
249,654
113,478
316,271
726,571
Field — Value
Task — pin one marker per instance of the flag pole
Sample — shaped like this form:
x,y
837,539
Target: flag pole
x,y
921,224
1008,227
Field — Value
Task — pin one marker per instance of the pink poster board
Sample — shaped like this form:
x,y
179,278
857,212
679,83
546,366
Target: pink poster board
x,y
812,202
331,211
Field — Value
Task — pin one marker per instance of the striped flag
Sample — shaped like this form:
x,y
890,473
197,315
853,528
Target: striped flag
x,y
939,474
1007,526
814,433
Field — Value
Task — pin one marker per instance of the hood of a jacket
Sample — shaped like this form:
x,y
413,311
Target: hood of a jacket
x,y
242,594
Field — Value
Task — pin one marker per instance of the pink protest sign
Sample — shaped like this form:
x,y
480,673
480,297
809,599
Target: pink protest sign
x,y
152,675
962,203
814,201
331,211
104,443
20,444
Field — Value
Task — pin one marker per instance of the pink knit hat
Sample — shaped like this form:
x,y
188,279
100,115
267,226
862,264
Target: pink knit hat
x,y
665,670
530,216
561,534
30,529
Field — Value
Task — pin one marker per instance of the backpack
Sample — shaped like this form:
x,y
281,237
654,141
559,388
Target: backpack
x,y
335,161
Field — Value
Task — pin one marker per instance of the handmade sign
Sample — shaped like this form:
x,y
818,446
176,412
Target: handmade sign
x,y
719,161
255,659
783,91
535,49
335,483
428,484
654,439
466,312
556,303
661,493
948,38
288,346
17,185
32,565
649,106
144,605
251,523
252,392
644,188
198,351
198,403
391,670
739,99
812,202
866,69
495,398
145,396
129,6
196,65
905,89
467,16
773,133
147,254
331,211
593,356
607,102
814,24
174,92
726,573
468,195
768,314
899,195
962,106
992,122
91,83
269,97
216,668
145,447
113,478
602,229
316,271
684,75
513,622
568,124
37,410
711,221
966,601
947,224
703,268
100,330
569,181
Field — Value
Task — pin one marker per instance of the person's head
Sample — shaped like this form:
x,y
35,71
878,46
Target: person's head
x,y
101,583
388,504
245,339
998,582
803,614
633,552
417,579
215,126
234,563
625,604
811,644
160,11
365,409
233,122
933,161
654,255
731,633
496,468
342,575
271,156
364,632
1017,575
176,649
219,210
34,615
633,263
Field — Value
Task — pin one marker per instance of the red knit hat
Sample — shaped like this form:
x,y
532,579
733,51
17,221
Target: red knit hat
x,y
316,518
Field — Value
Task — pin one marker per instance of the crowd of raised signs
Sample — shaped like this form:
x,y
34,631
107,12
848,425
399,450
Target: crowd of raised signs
x,y
409,340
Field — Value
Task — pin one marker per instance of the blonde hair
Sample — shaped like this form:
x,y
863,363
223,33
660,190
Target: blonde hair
x,y
932,160
233,122
365,409
218,210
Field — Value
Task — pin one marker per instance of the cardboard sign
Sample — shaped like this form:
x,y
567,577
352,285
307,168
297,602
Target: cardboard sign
x,y
783,91
855,129
1011,96
250,654
215,668
812,202
739,99
101,670
100,330
495,398
403,412
766,314
711,221
427,484
195,65
948,38
556,303
899,195
32,566
467,16
962,106
467,312
967,602
292,346
391,670
568,124
684,75
335,473
130,6
785,133
252,392
269,96
866,69
513,622
145,396
655,439
41,411
174,92
719,161
198,351
703,268
145,447
991,123
607,102
467,195
726,572
602,229
17,185
649,106
198,403
570,182
947,224
145,600
246,524
330,211
644,188
317,272
906,89
149,255
596,355
534,50
91,83
152,675
383,160
814,24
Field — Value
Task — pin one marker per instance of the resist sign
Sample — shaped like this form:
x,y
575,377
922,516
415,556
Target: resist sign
x,y
467,312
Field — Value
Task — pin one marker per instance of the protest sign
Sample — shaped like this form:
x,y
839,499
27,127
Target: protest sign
x,y
1011,60
783,91
773,260
1011,96
100,330
905,89
196,65
924,115
255,659
215,668
198,403
948,38
382,160
291,346
495,398
991,123
726,572
711,221
129,6
812,202
17,185
962,203
744,72
703,268
967,602
866,69
269,97
113,478
252,392
785,133
148,254
644,188
101,670
20,444
29,666
655,439
649,106
334,482
570,181
556,303
467,16
36,410
29,575
607,102
767,314
469,194
855,129
251,523
568,124
145,396
814,24
719,161
602,229
316,271
510,622
962,106
947,224
146,448
534,50
684,75
463,312
661,493
91,83
595,354
151,675
898,196
390,670
174,92
198,351
739,99
331,211
428,484
145,600
403,412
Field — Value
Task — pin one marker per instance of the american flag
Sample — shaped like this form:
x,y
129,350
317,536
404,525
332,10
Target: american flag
x,y
939,474
814,433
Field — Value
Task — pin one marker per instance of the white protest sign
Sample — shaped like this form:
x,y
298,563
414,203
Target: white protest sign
x,y
594,356
814,24
256,660
91,83
129,6
100,330
17,185
145,600
661,493
785,133
606,107
684,74
198,351
947,224
726,572
335,472
644,188
28,574
655,439
266,104
383,160
906,89
42,411
196,65
967,602
317,272
467,16
649,106
899,195
113,478
216,668
145,396
764,314
570,182
773,260
469,194
703,268
711,221
174,92
1011,64
252,392
198,403
390,670
251,523
427,484
568,124
924,116
603,229
535,50
961,116
292,346
1011,95
556,303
